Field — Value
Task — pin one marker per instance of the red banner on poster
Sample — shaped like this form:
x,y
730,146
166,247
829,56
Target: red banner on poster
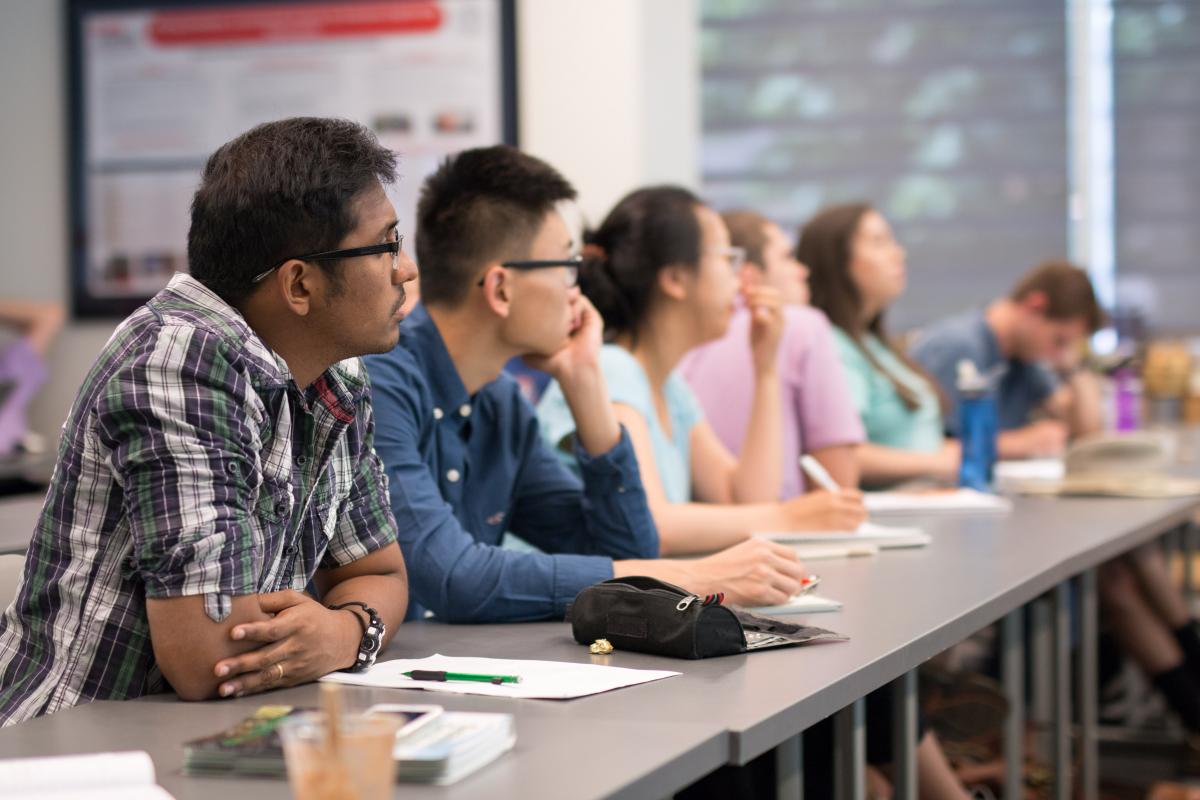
x,y
293,23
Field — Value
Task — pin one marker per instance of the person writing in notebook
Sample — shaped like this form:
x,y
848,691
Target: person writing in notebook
x,y
1030,340
461,444
817,416
662,273
1024,340
218,458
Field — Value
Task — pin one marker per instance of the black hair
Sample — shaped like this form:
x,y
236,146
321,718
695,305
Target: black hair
x,y
481,205
648,230
282,189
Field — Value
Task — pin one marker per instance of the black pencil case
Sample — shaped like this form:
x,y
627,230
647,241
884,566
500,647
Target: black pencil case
x,y
647,615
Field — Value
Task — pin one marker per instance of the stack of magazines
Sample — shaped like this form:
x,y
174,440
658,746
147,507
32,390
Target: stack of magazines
x,y
449,746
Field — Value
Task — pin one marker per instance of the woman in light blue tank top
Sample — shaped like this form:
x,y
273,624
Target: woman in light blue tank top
x,y
663,276
659,272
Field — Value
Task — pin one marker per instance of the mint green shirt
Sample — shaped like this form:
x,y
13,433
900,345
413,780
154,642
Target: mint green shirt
x,y
887,420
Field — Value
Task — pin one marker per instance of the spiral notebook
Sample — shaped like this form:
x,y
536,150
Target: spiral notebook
x,y
885,537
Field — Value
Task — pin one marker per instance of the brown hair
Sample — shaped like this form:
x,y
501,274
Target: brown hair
x,y
825,246
1068,292
748,230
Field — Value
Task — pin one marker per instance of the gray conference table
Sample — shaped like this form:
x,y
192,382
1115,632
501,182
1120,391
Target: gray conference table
x,y
901,608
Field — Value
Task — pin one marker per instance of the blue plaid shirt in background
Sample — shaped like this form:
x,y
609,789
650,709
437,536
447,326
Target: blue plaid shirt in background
x,y
190,464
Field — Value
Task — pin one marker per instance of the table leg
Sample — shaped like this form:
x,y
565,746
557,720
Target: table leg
x,y
789,769
1041,673
904,736
1062,691
1087,680
850,751
1189,552
1012,673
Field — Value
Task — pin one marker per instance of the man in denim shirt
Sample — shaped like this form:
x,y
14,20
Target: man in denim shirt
x,y
461,445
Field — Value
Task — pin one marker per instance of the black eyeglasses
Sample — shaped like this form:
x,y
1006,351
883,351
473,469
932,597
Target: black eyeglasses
x,y
392,247
572,265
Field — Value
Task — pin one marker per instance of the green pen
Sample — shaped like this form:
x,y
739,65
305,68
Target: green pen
x,y
439,675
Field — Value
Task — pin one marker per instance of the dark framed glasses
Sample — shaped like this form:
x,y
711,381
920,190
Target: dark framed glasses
x,y
392,247
572,265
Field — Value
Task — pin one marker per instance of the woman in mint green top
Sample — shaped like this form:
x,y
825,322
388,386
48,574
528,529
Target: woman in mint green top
x,y
856,270
888,421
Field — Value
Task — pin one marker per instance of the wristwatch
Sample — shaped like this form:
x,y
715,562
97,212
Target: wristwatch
x,y
372,638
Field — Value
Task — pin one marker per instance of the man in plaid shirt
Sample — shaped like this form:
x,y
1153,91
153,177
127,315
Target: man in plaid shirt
x,y
219,456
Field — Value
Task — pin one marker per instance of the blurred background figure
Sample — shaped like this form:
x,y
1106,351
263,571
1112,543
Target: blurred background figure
x,y
29,329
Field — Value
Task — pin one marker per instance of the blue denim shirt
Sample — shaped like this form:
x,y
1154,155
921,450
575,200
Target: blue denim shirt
x,y
464,469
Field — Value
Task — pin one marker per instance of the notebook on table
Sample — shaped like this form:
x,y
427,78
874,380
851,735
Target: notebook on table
x,y
801,604
936,501
883,537
451,746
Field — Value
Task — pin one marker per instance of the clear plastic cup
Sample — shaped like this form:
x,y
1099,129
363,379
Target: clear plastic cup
x,y
360,767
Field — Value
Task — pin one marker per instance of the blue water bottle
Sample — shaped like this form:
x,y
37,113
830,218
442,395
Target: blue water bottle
x,y
977,428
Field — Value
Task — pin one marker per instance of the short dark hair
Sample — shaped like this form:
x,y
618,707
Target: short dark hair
x,y
280,190
748,230
649,229
1068,291
481,205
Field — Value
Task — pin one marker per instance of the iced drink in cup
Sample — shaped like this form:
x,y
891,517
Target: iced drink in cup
x,y
353,764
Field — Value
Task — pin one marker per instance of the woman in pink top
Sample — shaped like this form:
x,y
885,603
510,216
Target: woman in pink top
x,y
818,417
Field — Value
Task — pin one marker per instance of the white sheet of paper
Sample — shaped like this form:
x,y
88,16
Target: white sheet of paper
x,y
801,604
954,501
97,775
1032,469
882,536
551,680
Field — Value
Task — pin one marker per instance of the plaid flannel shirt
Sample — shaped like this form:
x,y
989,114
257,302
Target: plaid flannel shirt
x,y
190,464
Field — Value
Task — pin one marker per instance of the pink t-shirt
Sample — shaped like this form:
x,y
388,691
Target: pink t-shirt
x,y
817,412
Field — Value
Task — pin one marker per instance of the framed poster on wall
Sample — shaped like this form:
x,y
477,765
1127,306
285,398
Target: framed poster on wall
x,y
156,87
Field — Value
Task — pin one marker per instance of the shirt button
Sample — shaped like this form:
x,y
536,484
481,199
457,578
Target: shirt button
x,y
465,410
281,508
301,461
232,468
437,413
620,490
290,550
453,476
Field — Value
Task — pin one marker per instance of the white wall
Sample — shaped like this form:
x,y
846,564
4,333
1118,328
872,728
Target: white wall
x,y
607,90
609,93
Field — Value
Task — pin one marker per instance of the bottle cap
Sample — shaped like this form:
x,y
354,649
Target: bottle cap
x,y
969,379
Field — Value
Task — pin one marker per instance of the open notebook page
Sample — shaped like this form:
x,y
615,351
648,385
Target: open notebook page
x,y
936,501
99,776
